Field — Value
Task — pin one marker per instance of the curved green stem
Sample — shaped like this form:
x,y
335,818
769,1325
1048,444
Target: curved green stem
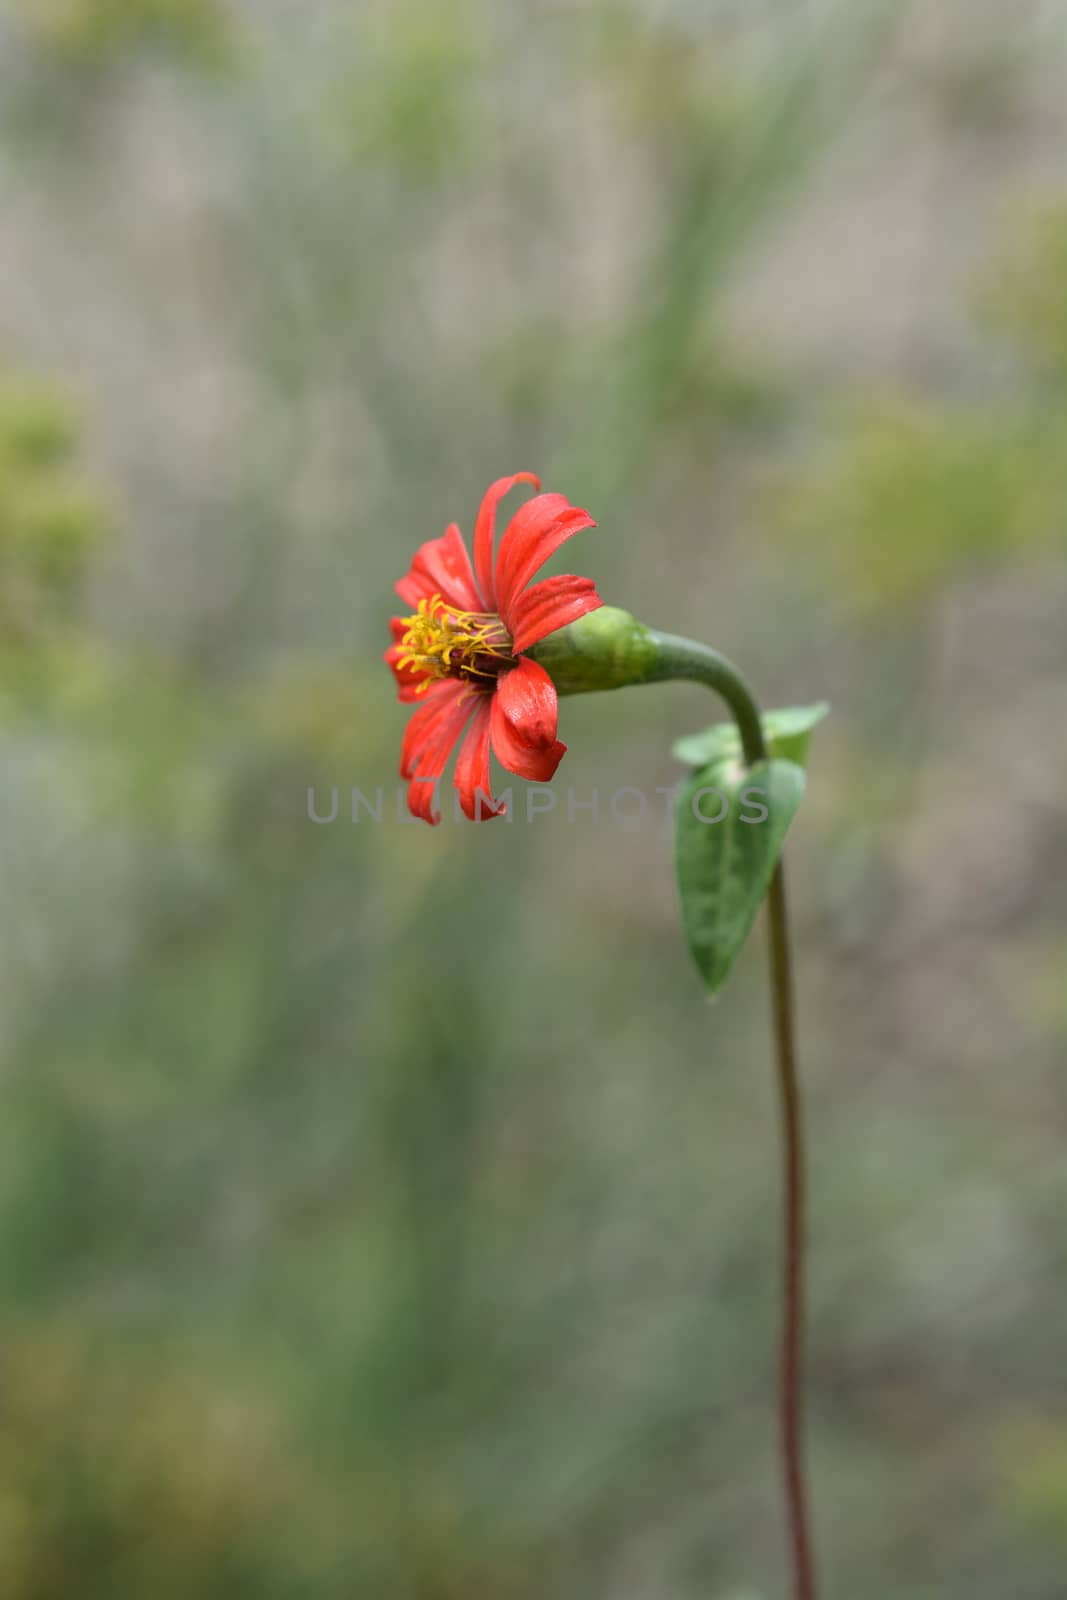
x,y
681,658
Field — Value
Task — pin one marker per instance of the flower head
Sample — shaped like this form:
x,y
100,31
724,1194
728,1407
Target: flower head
x,y
459,653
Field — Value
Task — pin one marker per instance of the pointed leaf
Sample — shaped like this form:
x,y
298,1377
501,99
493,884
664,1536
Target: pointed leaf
x,y
712,744
731,824
787,732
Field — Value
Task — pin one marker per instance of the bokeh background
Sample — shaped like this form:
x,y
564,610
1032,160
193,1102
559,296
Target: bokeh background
x,y
383,1211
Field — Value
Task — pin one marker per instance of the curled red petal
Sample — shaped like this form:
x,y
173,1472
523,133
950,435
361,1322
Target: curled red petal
x,y
525,717
437,740
472,768
534,533
484,529
442,566
434,705
549,605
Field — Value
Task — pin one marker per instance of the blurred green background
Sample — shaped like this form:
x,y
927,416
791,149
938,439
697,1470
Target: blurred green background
x,y
383,1212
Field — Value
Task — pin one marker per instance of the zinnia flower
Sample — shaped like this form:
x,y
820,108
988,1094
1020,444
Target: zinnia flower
x,y
459,653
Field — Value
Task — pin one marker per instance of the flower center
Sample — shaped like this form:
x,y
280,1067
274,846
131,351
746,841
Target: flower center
x,y
445,643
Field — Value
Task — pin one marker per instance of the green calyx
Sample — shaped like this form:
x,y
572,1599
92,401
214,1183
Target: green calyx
x,y
607,649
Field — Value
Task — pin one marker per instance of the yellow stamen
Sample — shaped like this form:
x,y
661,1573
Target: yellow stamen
x,y
446,643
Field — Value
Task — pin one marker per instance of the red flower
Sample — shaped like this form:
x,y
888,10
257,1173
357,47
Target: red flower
x,y
460,652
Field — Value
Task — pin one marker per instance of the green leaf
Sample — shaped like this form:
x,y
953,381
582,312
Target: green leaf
x,y
787,732
718,742
725,865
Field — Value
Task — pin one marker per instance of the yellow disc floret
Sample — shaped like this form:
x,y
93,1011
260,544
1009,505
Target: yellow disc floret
x,y
445,643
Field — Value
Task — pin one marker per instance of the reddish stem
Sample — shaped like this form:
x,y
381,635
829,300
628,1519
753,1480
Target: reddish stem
x,y
791,1395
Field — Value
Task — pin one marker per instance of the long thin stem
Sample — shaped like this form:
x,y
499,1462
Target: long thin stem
x,y
681,658
794,1201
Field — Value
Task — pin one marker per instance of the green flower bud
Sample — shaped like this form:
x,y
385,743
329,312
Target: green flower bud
x,y
607,649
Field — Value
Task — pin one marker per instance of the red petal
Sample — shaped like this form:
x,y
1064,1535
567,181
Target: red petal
x,y
549,605
442,566
524,721
534,533
472,768
434,705
429,740
485,526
